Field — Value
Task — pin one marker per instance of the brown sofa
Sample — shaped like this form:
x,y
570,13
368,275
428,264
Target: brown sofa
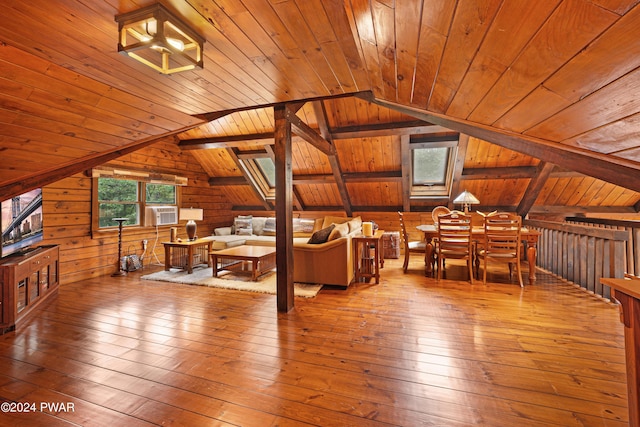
x,y
328,263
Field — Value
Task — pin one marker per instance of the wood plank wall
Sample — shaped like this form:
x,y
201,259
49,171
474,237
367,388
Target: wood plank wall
x,y
67,214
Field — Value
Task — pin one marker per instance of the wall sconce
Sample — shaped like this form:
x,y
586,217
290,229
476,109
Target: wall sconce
x,y
191,215
466,199
159,39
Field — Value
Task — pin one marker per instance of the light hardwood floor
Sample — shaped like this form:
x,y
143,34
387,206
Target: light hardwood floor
x,y
409,351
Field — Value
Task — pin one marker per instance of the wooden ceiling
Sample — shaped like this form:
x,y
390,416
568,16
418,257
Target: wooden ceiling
x,y
547,92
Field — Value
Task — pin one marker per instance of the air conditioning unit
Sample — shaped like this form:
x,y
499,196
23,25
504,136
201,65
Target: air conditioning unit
x,y
161,215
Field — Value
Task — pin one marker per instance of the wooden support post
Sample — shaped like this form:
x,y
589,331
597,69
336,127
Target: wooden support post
x,y
284,210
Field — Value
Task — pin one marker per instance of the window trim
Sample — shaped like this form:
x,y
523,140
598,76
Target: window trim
x,y
254,172
142,179
431,191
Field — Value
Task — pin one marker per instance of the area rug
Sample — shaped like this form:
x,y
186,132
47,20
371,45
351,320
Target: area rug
x,y
230,280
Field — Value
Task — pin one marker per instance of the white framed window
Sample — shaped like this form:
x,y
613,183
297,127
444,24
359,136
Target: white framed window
x,y
125,194
432,167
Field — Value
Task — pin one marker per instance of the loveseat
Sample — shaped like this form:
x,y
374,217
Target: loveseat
x,y
321,248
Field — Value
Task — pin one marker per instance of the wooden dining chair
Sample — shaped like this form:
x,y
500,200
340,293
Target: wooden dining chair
x,y
437,211
415,246
454,240
502,242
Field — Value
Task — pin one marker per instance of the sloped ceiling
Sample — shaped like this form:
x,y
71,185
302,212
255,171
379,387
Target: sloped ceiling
x,y
545,83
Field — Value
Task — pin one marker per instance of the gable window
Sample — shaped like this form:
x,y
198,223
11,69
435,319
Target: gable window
x,y
262,171
430,165
268,170
125,194
432,161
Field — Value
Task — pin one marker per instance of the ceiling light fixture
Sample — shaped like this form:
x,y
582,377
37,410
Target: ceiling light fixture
x,y
159,39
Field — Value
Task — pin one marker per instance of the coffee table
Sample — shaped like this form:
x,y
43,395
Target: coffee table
x,y
262,258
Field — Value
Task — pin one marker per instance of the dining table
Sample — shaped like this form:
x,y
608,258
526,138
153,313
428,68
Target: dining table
x,y
528,235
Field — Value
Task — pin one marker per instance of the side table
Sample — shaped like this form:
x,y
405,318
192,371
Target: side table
x,y
365,265
190,247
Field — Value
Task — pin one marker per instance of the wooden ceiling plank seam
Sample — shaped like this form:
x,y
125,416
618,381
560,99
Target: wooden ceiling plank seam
x,y
234,40
384,24
57,124
100,106
593,111
430,51
614,138
10,188
468,29
73,45
573,84
338,15
550,49
434,31
516,22
365,27
626,174
271,51
312,51
407,18
332,34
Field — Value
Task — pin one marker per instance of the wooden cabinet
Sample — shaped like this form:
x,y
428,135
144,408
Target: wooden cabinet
x,y
27,280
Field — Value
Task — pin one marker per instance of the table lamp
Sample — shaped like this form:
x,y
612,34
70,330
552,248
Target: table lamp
x,y
466,199
191,215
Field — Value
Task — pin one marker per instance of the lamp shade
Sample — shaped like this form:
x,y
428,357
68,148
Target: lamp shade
x,y
189,214
466,198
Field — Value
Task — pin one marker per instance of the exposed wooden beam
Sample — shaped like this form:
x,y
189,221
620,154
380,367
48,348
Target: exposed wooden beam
x,y
620,172
534,188
309,134
336,169
386,176
510,172
228,180
415,127
284,211
265,138
313,179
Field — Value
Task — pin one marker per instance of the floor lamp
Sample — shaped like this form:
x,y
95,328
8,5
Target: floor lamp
x,y
120,271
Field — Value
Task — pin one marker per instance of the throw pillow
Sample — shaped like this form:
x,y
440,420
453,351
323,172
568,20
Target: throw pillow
x,y
340,230
242,225
269,228
321,236
355,224
328,220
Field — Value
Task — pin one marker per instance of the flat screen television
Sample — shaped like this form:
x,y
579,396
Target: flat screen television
x,y
21,222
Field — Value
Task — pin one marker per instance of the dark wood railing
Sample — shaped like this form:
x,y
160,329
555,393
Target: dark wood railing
x,y
632,246
581,254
